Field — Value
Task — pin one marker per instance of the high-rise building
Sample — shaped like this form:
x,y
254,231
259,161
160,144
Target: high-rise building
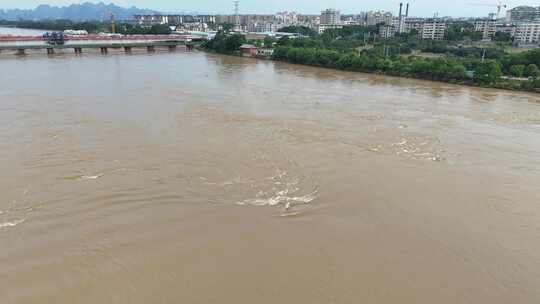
x,y
433,29
148,20
330,17
527,33
378,17
487,27
523,14
287,18
387,31
414,24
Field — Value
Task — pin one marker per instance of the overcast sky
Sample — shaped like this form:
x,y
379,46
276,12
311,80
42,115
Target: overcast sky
x,y
418,7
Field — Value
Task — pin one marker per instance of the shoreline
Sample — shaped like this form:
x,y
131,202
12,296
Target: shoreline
x,y
466,84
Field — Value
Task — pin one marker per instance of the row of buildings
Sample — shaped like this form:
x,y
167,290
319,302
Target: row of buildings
x,y
244,22
328,19
522,23
426,28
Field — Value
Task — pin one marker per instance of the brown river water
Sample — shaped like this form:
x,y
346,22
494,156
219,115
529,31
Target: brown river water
x,y
197,178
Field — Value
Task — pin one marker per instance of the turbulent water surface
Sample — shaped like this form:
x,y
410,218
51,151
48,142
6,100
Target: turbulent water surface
x,y
194,178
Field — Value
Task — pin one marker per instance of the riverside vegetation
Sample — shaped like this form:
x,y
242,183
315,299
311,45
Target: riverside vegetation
x,y
358,48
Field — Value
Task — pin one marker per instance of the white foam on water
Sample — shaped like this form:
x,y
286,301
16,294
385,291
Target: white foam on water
x,y
290,214
92,176
12,223
282,198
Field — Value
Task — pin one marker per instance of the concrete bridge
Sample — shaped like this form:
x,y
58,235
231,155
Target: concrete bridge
x,y
78,44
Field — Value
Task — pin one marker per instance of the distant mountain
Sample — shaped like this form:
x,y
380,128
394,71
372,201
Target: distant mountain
x,y
79,12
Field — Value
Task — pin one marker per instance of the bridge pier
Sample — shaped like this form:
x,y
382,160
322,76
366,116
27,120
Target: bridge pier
x,y
21,52
150,49
172,48
127,49
77,50
50,51
104,50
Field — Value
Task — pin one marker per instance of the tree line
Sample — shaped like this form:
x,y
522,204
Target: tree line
x,y
486,72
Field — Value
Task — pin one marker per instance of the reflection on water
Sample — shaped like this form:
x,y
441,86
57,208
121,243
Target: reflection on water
x,y
196,178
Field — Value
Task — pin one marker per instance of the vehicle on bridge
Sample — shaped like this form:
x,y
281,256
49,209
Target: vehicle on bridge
x,y
55,38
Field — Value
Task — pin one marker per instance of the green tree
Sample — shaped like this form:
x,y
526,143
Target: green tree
x,y
159,29
502,37
268,42
532,71
302,30
225,43
488,72
517,70
280,53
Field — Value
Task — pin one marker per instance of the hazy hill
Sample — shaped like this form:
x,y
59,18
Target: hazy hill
x,y
84,11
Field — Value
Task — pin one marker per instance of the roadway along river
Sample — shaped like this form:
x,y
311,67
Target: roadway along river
x,y
196,178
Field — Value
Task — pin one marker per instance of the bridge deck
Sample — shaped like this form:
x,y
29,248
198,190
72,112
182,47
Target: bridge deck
x,y
28,45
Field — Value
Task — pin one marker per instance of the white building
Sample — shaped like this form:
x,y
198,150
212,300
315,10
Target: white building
x,y
507,28
398,24
287,18
323,27
330,17
433,29
377,17
488,28
528,33
387,31
427,28
523,14
261,27
265,52
414,24
148,20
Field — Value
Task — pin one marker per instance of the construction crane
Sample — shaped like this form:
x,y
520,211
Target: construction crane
x,y
499,6
112,17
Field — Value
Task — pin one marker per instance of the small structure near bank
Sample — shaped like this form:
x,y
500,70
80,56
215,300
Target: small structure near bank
x,y
265,52
248,50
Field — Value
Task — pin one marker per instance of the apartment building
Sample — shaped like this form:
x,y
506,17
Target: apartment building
x,y
433,29
330,17
527,33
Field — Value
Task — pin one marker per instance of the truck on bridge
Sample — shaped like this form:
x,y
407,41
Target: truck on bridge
x,y
55,38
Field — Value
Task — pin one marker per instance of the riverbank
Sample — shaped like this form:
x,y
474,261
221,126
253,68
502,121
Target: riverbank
x,y
506,84
509,85
451,70
341,49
